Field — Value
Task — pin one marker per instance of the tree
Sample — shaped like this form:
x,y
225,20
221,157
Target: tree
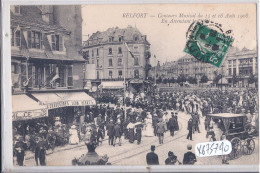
x,y
165,81
172,80
181,79
217,78
159,80
192,80
204,79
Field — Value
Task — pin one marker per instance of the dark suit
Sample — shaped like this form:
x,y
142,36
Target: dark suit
x,y
110,133
152,159
40,151
171,125
19,148
189,158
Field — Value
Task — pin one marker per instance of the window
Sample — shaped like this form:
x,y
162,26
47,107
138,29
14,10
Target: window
x,y
92,52
14,68
57,42
136,74
97,52
120,74
17,9
119,50
119,62
234,71
229,71
97,63
251,59
110,74
111,39
136,38
34,39
110,63
120,39
39,75
17,39
93,61
229,62
234,62
70,76
110,51
62,75
136,61
97,74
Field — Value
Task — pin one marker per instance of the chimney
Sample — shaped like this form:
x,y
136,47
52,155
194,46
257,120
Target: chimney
x,y
47,13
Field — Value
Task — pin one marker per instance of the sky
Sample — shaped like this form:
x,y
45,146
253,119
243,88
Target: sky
x,y
168,39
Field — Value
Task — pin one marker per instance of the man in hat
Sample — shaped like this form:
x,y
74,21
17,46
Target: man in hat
x,y
155,121
40,151
152,158
189,136
171,124
189,158
172,159
110,132
20,147
160,130
118,133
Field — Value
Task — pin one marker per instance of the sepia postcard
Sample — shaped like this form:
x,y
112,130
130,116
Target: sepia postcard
x,y
148,85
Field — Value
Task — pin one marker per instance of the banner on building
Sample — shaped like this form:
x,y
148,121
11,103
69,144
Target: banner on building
x,y
26,115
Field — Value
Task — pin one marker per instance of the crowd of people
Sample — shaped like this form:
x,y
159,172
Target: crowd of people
x,y
147,115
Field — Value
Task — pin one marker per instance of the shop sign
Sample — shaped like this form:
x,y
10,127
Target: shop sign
x,y
24,115
70,103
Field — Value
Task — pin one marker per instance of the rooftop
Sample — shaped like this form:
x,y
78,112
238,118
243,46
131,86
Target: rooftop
x,y
129,34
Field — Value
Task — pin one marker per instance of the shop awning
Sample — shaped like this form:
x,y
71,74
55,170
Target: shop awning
x,y
64,99
23,108
112,85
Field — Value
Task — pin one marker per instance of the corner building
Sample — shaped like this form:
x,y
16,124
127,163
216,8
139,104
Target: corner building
x,y
108,54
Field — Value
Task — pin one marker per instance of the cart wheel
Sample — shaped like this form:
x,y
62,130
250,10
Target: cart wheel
x,y
249,146
236,148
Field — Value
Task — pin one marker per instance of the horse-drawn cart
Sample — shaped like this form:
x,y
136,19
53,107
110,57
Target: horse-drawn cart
x,y
238,131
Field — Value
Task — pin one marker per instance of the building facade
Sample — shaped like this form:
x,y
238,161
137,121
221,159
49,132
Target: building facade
x,y
47,68
108,51
239,64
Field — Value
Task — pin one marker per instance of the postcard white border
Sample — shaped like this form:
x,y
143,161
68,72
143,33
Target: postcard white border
x,y
6,111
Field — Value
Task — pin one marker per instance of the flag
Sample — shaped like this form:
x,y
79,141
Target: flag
x,y
132,55
26,82
17,29
54,78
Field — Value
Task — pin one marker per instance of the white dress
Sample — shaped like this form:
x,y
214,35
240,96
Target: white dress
x,y
148,130
74,139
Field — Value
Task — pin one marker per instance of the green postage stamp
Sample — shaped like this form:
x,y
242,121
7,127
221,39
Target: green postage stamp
x,y
207,44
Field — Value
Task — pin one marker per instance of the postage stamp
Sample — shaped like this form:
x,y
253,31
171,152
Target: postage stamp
x,y
206,43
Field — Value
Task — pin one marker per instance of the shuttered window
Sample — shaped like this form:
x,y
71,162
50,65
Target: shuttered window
x,y
57,42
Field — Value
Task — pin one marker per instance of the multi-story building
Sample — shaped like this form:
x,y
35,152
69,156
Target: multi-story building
x,y
242,64
239,63
191,67
47,69
110,55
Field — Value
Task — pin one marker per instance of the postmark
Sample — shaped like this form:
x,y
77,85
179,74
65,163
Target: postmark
x,y
207,42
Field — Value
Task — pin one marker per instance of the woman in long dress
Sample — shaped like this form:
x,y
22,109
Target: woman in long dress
x,y
131,132
73,139
148,131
